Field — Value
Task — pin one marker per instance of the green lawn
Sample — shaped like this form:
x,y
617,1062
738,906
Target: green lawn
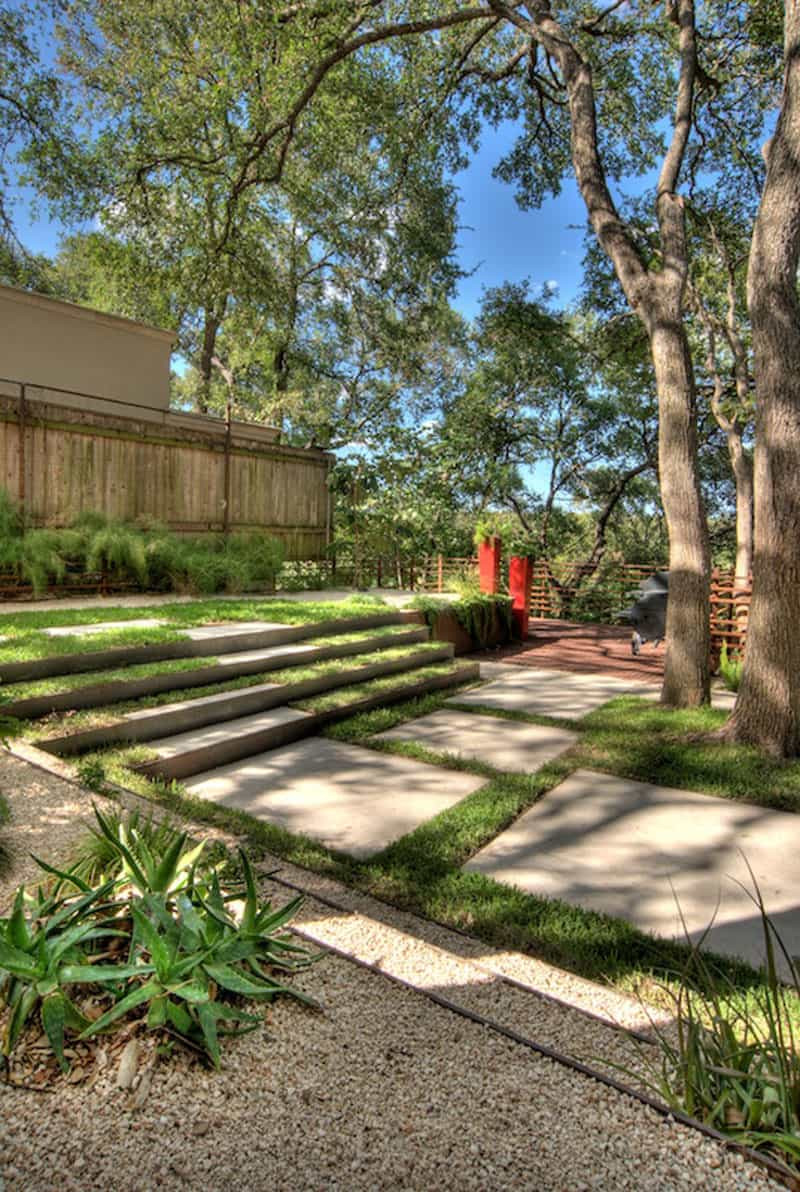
x,y
423,871
25,639
178,666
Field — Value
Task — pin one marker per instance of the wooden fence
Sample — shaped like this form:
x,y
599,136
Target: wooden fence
x,y
190,473
428,573
572,592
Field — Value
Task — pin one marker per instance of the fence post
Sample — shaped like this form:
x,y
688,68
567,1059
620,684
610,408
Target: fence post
x,y
489,553
520,571
439,574
22,462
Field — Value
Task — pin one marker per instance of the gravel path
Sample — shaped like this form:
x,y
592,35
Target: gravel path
x,y
381,1090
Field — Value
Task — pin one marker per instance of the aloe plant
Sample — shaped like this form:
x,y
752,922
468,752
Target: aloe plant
x,y
157,935
197,955
45,947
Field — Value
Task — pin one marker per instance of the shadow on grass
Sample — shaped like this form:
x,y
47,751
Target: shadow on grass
x,y
422,871
638,739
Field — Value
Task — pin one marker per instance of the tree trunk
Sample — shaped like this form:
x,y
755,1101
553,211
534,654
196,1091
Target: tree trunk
x,y
767,711
207,352
686,670
656,297
742,467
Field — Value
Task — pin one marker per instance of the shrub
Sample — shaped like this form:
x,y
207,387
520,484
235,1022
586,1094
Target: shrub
x,y
152,933
119,550
144,554
730,668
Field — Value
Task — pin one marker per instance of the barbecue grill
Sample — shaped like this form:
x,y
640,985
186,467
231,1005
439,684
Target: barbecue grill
x,y
648,613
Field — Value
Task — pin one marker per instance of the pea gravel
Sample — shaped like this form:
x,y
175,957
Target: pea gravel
x,y
380,1090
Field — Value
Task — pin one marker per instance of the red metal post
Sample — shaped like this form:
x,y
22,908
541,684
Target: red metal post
x,y
489,553
520,573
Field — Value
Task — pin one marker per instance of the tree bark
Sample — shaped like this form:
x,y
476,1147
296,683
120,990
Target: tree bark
x,y
742,467
657,298
686,665
211,325
767,711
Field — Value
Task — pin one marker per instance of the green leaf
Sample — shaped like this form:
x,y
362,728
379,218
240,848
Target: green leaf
x,y
251,900
25,1004
157,1014
167,871
19,964
228,978
180,1017
65,875
208,1025
54,1020
94,974
142,994
17,931
146,933
190,991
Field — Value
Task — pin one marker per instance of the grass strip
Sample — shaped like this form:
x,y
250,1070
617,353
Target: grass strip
x,y
27,646
26,641
354,692
422,872
58,724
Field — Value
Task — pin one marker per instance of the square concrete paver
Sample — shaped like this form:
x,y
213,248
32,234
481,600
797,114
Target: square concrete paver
x,y
551,692
610,844
230,629
349,798
506,744
102,627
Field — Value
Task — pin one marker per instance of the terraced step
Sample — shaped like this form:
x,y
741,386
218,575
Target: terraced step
x,y
193,753
197,643
230,666
187,716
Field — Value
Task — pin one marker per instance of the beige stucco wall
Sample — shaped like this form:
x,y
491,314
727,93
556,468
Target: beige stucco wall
x,y
53,344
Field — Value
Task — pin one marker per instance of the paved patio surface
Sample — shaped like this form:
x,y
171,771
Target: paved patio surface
x,y
573,645
506,744
629,849
551,692
350,799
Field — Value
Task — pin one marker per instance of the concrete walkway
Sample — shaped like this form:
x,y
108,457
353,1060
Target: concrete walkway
x,y
651,854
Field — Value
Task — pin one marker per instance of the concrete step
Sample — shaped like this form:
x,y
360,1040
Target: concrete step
x,y
230,666
187,715
225,639
194,753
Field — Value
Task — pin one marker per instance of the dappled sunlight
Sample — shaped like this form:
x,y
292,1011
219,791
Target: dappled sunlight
x,y
660,858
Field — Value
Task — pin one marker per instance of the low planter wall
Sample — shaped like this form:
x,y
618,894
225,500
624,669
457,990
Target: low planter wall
x,y
447,628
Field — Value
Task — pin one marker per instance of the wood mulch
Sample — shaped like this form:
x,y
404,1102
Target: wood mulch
x,y
594,649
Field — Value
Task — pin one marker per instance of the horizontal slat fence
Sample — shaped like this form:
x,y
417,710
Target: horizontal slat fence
x,y
429,573
573,592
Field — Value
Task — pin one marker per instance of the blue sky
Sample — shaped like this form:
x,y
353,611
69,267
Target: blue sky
x,y
500,242
497,241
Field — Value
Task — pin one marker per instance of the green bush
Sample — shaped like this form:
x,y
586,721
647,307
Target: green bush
x,y
148,556
730,668
735,1064
151,935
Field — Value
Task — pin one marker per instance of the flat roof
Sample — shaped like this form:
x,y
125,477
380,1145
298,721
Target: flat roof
x,y
74,310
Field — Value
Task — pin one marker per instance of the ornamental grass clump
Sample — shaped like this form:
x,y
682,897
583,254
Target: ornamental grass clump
x,y
153,937
731,1060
